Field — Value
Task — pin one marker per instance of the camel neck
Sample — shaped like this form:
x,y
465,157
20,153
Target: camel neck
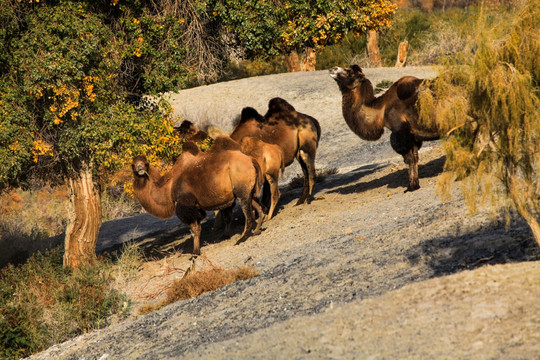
x,y
364,119
154,194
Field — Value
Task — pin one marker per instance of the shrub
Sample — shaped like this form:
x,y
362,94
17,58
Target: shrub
x,y
42,304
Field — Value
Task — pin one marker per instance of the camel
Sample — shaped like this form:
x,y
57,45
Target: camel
x,y
191,132
270,159
367,115
198,182
297,135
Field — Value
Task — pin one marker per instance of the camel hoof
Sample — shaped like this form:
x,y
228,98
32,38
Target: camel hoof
x,y
241,240
257,232
412,188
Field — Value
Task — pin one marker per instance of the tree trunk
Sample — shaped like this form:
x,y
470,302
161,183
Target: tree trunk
x,y
373,48
522,208
84,219
304,62
402,54
292,61
309,59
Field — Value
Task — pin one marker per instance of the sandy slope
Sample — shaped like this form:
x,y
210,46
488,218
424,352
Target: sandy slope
x,y
366,271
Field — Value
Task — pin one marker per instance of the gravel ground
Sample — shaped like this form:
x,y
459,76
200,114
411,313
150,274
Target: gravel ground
x,y
366,271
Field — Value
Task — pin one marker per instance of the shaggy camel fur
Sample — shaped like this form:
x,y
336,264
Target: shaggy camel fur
x,y
295,133
367,115
197,182
191,132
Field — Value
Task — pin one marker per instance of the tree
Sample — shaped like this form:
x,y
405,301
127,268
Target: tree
x,y
491,109
71,78
274,27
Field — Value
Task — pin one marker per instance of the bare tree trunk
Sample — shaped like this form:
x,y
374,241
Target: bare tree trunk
x,y
309,59
84,219
304,62
373,48
522,208
402,54
292,62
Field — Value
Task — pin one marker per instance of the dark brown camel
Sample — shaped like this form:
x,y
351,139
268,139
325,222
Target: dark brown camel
x,y
191,132
295,133
197,182
367,115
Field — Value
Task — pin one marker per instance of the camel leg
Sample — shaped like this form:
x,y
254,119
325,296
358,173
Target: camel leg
x,y
226,216
266,195
248,214
192,217
195,228
259,208
307,163
411,159
218,220
274,191
404,143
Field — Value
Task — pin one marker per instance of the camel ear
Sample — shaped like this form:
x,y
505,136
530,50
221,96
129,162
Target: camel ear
x,y
356,68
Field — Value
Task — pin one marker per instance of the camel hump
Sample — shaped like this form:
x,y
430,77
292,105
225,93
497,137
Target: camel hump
x,y
278,104
191,148
249,113
224,143
407,87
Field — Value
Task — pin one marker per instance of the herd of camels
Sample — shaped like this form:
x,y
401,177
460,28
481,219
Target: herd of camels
x,y
246,164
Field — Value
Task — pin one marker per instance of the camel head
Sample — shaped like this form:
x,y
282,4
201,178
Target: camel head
x,y
186,128
140,166
348,78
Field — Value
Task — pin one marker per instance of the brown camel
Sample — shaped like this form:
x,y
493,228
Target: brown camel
x,y
295,133
367,115
197,182
269,157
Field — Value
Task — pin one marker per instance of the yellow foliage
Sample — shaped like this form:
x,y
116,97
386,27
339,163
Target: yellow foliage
x,y
41,148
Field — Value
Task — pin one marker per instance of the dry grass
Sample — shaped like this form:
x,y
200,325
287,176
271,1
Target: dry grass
x,y
298,181
195,283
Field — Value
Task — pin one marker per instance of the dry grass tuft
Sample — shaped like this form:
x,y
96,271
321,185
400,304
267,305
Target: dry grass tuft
x,y
298,181
195,283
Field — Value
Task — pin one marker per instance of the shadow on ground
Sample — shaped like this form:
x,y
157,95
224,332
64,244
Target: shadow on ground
x,y
493,243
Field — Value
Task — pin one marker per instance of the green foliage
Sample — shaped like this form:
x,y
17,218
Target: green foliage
x,y
295,25
42,304
491,107
69,72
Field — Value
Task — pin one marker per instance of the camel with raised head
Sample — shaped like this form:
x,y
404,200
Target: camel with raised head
x,y
198,182
297,135
367,115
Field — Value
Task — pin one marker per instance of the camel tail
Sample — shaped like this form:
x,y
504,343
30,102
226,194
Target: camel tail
x,y
260,178
282,165
318,127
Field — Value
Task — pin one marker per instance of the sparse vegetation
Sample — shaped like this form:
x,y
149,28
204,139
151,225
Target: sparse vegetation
x,y
490,106
195,283
298,181
41,303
